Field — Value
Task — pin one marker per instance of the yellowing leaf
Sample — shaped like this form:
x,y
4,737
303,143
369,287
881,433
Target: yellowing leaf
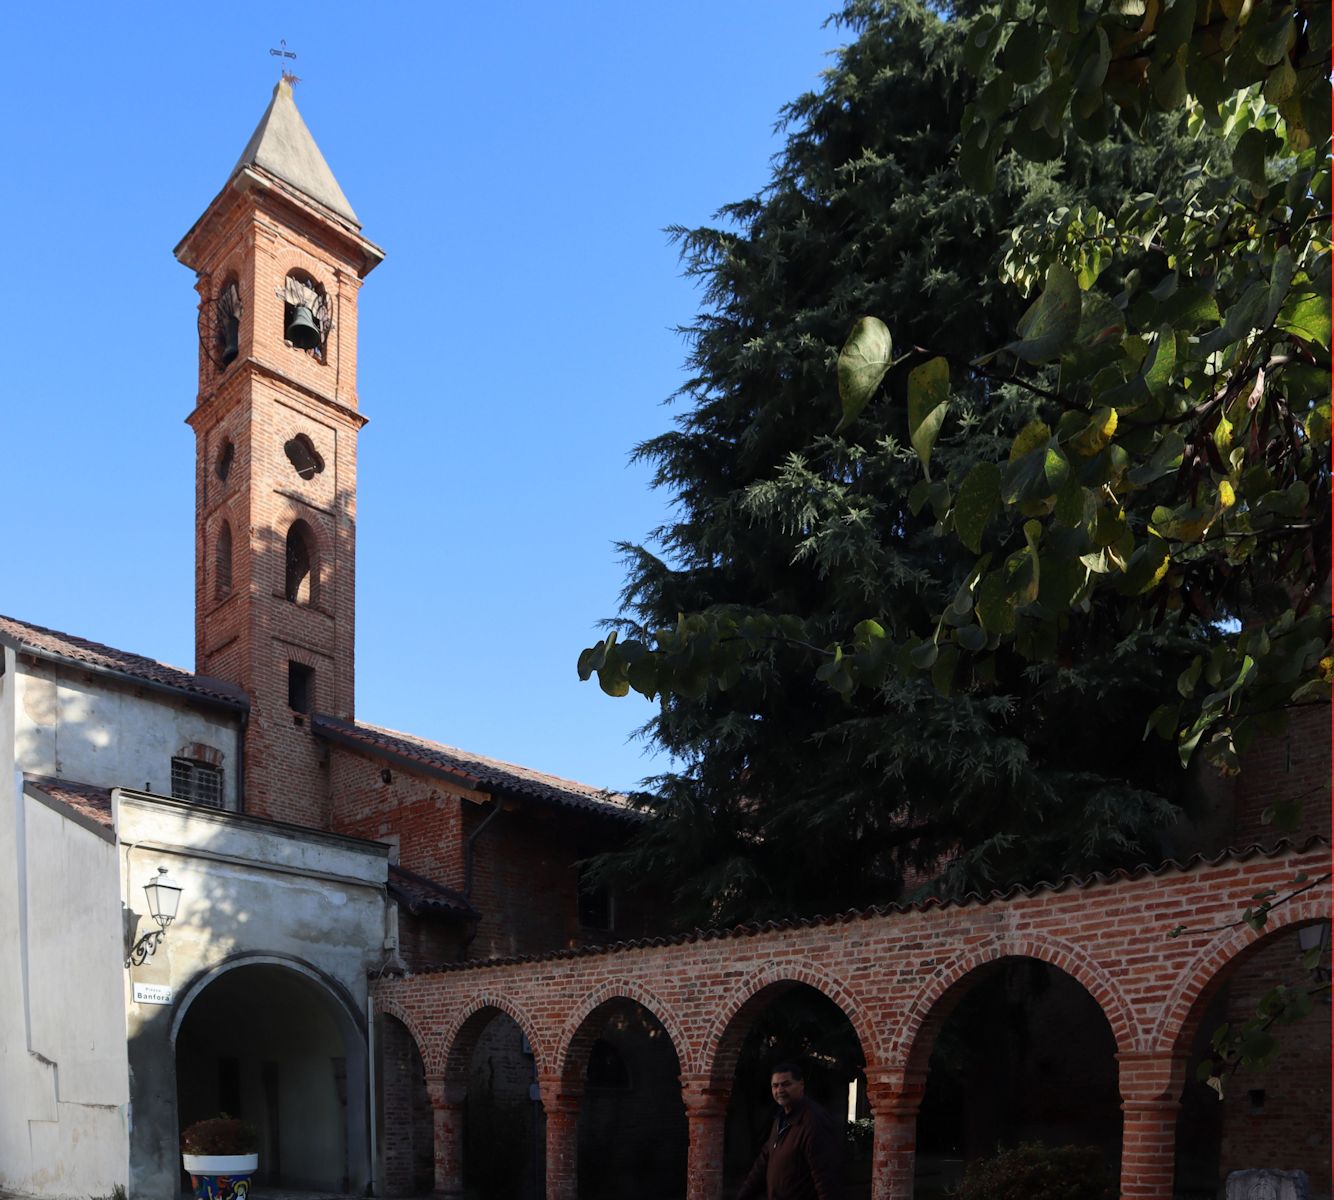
x,y
1226,496
928,399
862,364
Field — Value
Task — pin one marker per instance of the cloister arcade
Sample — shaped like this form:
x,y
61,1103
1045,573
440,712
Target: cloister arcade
x,y
686,1005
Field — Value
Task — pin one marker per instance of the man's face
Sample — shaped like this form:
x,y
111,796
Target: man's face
x,y
786,1090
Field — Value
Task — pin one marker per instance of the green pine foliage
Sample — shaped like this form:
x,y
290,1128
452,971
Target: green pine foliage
x,y
794,795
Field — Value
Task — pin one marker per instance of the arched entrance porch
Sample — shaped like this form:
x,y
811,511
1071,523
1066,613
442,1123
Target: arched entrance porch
x,y
277,1043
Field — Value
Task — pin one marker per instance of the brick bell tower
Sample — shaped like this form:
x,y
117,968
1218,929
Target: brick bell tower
x,y
279,258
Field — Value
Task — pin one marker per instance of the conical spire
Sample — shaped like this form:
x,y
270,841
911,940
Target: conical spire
x,y
282,146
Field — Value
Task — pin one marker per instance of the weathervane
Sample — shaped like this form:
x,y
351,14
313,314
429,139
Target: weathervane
x,y
284,53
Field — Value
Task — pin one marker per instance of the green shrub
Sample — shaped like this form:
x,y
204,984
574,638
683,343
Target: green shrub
x,y
1033,1171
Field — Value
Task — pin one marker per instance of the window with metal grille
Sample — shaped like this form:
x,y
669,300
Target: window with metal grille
x,y
197,782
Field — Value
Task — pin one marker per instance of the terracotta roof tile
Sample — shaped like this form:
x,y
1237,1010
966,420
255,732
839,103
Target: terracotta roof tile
x,y
83,798
488,774
421,895
79,650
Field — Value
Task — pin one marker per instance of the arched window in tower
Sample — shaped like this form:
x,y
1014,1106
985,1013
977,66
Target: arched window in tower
x,y
302,568
222,563
306,321
227,324
226,455
303,456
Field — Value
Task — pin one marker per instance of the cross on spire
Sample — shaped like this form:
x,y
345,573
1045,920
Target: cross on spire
x,y
284,54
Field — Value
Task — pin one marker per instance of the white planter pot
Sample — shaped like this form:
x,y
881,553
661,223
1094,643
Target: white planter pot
x,y
220,1164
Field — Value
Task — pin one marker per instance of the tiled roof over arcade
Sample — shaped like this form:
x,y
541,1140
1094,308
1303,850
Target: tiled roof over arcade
x,y
471,770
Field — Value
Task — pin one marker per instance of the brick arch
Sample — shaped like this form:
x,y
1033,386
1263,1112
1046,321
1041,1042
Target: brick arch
x,y
722,1041
291,258
573,1035
425,1048
1186,1002
910,1044
461,1036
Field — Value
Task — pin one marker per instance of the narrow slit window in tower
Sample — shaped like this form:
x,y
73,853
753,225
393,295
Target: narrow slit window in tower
x,y
222,567
300,686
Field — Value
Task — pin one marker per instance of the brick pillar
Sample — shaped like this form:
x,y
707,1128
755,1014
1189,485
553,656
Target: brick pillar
x,y
447,1113
706,1113
894,1097
562,1111
1150,1097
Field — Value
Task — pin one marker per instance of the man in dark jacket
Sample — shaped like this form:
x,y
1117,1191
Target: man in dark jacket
x,y
803,1152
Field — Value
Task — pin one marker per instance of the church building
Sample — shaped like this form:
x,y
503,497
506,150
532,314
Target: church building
x,y
222,891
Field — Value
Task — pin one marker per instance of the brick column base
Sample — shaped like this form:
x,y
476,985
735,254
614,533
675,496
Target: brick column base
x,y
706,1112
1150,1099
563,1149
447,1115
894,1098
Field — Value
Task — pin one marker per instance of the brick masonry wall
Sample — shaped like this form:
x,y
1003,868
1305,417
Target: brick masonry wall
x,y
1294,764
895,977
404,1117
268,395
1279,1116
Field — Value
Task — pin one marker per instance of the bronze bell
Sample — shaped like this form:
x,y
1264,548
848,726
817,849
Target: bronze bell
x,y
230,332
303,330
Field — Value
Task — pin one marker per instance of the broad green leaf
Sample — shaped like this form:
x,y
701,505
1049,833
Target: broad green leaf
x,y
942,670
1056,467
928,399
924,655
1062,576
1317,425
1051,322
918,495
1095,435
1248,156
1030,437
1280,282
1307,316
1021,59
995,604
1162,361
1146,567
977,502
862,364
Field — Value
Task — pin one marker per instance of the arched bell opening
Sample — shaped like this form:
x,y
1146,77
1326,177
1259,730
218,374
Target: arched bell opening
x,y
301,566
504,1129
631,1134
403,1116
271,1045
1274,1116
305,313
1019,1051
790,1022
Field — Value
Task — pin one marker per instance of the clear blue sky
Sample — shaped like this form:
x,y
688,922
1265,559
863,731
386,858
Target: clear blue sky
x,y
518,163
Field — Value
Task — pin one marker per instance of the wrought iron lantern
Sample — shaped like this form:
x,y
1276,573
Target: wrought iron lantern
x,y
164,895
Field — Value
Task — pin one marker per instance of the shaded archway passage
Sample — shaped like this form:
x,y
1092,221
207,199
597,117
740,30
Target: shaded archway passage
x,y
886,969
1214,1135
503,1128
1017,1051
630,1132
269,1044
403,1113
791,1022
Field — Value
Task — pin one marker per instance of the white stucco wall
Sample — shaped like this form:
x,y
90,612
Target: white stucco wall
x,y
254,893
73,725
63,1063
